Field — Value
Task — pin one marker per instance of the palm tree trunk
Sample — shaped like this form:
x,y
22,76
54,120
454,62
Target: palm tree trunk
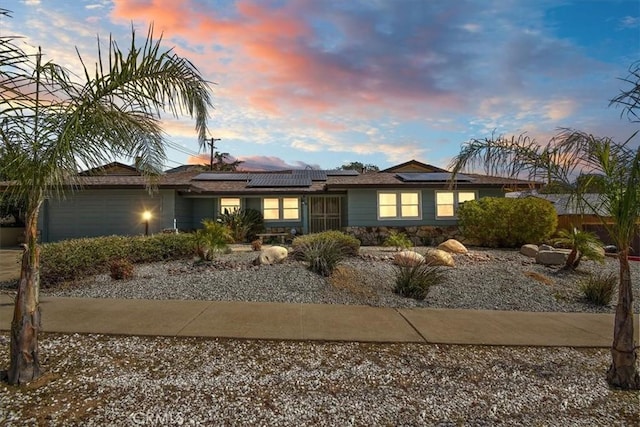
x,y
23,351
623,372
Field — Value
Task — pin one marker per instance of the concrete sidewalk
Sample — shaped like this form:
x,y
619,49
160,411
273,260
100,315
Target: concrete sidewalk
x,y
324,322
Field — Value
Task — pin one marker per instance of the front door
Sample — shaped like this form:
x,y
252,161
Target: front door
x,y
325,213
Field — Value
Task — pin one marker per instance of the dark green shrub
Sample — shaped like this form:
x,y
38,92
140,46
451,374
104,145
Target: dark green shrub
x,y
398,240
77,258
244,224
348,244
121,269
323,256
416,280
598,288
507,222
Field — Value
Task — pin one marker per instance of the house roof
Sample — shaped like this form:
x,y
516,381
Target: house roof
x,y
410,174
113,168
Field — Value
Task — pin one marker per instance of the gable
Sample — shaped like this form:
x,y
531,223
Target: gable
x,y
414,166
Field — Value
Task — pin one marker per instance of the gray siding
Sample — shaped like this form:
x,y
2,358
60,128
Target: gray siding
x,y
91,213
184,213
203,209
362,209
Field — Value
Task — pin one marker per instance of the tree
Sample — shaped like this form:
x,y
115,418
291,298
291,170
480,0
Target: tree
x,y
56,123
583,244
360,167
574,158
224,163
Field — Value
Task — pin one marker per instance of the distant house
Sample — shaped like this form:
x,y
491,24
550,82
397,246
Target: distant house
x,y
413,197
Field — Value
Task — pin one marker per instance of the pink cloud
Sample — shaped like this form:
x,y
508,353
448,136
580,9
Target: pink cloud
x,y
277,65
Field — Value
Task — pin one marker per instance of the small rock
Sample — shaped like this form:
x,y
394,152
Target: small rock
x,y
408,258
529,250
453,246
439,257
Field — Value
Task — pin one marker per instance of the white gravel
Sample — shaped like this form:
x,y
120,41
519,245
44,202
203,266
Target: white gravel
x,y
482,279
97,380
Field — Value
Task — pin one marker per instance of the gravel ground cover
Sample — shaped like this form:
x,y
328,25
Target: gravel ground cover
x,y
482,279
95,380
112,380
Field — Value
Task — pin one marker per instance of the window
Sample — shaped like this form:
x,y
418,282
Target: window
x,y
447,202
399,205
230,204
284,208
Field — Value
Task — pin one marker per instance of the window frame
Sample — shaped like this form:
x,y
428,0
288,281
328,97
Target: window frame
x,y
223,207
398,205
281,209
456,202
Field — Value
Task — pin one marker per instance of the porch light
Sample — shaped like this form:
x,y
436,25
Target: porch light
x,y
146,216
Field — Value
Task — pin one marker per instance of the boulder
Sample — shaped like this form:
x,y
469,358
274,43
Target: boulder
x,y
545,248
272,255
439,257
453,246
407,258
529,250
554,257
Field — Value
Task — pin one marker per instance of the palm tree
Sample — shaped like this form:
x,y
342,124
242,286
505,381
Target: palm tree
x,y
583,244
54,124
573,159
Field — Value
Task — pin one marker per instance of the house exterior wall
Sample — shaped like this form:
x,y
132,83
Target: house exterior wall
x,y
92,213
183,213
203,208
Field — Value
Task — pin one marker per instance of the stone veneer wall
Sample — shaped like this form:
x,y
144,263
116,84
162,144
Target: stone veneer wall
x,y
424,235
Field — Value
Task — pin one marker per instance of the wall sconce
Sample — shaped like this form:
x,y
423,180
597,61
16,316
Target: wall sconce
x,y
146,216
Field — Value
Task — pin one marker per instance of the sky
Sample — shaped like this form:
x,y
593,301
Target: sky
x,y
323,83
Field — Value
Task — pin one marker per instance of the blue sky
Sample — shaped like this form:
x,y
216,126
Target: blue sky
x,y
324,83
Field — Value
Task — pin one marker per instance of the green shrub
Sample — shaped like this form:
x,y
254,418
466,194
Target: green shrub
x,y
598,288
323,256
416,280
213,238
348,244
507,222
244,224
121,269
77,258
398,240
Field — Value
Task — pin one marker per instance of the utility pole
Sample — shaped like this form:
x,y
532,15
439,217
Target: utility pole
x,y
213,140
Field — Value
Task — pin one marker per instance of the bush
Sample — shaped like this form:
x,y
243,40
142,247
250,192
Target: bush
x,y
213,238
416,280
244,224
323,256
348,244
398,240
77,258
506,222
120,269
598,288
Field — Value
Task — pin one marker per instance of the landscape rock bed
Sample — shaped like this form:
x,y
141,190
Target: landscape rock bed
x,y
482,279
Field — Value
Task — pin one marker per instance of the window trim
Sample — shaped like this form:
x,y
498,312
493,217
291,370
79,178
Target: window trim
x,y
456,204
281,209
220,206
398,205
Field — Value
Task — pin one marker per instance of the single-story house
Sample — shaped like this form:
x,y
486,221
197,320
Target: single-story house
x,y
413,197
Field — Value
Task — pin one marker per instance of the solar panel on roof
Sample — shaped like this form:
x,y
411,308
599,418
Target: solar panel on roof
x,y
279,180
314,174
221,177
340,172
431,177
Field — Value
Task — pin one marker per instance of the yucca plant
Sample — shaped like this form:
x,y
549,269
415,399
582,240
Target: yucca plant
x,y
414,281
244,224
598,289
323,256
